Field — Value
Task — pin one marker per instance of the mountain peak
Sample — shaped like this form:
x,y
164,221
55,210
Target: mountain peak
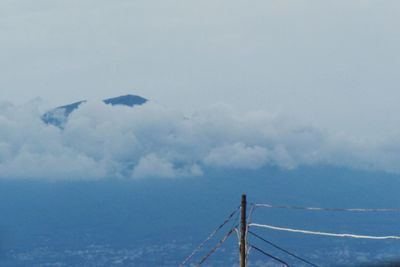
x,y
59,115
126,100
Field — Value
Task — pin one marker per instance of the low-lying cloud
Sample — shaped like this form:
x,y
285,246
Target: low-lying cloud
x,y
102,141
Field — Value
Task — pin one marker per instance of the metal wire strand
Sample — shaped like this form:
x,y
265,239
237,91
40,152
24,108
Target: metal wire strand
x,y
215,248
326,209
282,249
198,248
269,255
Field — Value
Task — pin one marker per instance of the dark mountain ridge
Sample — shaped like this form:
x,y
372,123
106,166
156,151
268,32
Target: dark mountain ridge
x,y
59,115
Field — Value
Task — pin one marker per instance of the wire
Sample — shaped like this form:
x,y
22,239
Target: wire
x,y
326,209
269,255
196,250
235,224
322,233
248,253
215,248
282,249
237,234
252,208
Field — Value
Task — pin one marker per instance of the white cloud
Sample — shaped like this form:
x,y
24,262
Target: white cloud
x,y
101,141
237,155
153,166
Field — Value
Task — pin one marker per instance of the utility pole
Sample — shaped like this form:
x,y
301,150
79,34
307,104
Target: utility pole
x,y
243,230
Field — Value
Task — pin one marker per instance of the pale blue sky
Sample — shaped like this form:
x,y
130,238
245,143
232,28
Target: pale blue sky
x,y
332,63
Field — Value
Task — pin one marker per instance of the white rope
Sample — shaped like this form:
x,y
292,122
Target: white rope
x,y
326,209
322,233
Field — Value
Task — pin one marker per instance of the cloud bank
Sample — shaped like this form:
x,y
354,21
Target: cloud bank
x,y
101,141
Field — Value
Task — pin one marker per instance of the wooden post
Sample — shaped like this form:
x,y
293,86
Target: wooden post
x,y
243,230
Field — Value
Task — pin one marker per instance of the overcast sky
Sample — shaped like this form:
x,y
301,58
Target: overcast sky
x,y
332,63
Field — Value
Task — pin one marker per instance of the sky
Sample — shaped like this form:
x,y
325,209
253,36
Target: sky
x,y
334,63
331,65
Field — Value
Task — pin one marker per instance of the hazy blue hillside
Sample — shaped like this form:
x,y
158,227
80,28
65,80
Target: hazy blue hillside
x,y
157,222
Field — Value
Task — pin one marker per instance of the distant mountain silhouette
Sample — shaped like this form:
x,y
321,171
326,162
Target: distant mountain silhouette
x,y
59,115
